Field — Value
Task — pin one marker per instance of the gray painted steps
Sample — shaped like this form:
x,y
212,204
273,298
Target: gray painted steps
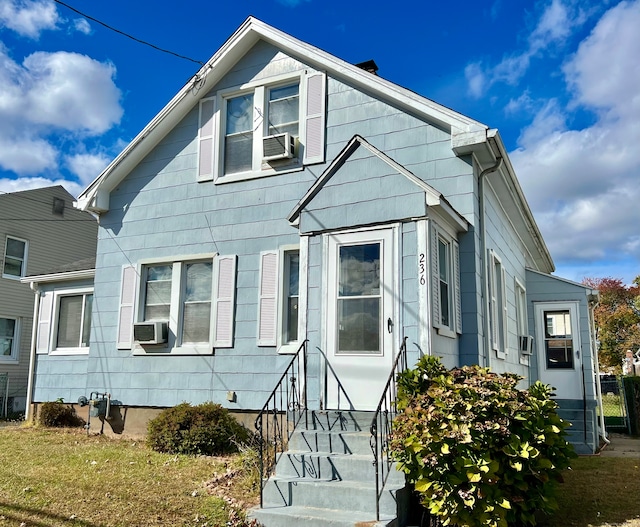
x,y
327,477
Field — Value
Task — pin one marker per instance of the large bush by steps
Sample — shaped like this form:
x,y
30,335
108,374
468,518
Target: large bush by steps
x,y
479,451
207,429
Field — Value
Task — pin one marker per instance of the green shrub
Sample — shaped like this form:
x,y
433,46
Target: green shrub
x,y
57,414
479,451
207,429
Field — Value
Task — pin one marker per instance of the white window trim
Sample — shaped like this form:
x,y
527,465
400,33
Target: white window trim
x,y
455,315
498,306
53,333
23,269
174,324
15,348
282,346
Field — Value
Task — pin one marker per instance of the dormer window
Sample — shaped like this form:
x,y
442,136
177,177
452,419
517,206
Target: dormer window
x,y
262,128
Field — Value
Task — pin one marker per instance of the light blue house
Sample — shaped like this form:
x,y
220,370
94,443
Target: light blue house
x,y
286,200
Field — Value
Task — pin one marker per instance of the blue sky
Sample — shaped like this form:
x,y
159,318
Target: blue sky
x,y
560,79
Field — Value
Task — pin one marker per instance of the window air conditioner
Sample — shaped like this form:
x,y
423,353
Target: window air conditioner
x,y
526,344
152,332
279,146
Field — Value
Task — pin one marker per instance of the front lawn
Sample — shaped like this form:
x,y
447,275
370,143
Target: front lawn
x,y
64,477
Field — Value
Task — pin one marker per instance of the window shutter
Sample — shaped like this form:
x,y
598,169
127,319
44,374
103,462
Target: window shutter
x,y
127,303
224,301
435,279
44,322
493,306
268,299
207,140
314,118
503,300
456,281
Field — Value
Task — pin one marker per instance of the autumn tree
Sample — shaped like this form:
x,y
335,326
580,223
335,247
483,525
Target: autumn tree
x,y
617,318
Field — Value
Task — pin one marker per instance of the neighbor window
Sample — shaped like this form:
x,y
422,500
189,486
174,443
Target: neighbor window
x,y
15,258
74,321
8,334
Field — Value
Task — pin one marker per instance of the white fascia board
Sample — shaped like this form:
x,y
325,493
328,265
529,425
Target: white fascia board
x,y
59,277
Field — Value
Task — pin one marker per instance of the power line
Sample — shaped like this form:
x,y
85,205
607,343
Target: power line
x,y
128,35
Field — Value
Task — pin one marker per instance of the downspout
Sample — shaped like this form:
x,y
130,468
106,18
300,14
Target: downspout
x,y
483,258
32,356
593,304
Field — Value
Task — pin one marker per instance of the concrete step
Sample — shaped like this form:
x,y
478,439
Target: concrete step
x,y
312,517
340,420
344,467
329,494
336,442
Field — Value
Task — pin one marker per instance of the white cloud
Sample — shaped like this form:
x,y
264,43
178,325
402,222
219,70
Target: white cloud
x,y
555,25
87,166
52,93
81,25
29,183
583,184
28,18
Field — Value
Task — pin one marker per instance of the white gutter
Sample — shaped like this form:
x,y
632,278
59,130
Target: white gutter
x,y
32,351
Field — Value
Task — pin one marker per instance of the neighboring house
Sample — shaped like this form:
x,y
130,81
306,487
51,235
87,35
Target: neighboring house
x,y
285,197
39,229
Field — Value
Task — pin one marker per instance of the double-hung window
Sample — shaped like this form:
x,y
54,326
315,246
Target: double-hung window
x,y
180,294
15,258
262,128
278,304
447,315
8,339
498,305
73,319
193,299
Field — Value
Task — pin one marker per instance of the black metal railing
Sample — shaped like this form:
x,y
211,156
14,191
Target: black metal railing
x,y
381,425
283,410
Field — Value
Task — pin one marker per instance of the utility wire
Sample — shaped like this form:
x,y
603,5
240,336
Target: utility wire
x,y
127,35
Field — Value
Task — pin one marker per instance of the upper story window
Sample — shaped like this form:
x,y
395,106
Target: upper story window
x,y
498,305
8,339
15,258
262,128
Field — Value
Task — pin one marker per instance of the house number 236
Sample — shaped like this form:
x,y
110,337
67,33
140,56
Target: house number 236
x,y
422,267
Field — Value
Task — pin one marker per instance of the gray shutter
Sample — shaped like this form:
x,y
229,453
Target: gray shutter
x,y
224,301
314,118
44,322
127,307
268,299
456,281
435,278
207,140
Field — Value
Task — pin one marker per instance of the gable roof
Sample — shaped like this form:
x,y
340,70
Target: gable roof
x,y
433,198
96,196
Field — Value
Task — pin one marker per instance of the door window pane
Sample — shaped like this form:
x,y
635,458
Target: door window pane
x,y
558,339
359,299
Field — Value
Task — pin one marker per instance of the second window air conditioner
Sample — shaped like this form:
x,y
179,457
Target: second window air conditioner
x,y
526,344
279,146
152,332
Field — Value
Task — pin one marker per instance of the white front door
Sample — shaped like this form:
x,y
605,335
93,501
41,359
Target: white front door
x,y
360,320
559,349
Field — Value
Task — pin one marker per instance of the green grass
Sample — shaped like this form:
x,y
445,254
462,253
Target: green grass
x,y
599,491
611,405
64,477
